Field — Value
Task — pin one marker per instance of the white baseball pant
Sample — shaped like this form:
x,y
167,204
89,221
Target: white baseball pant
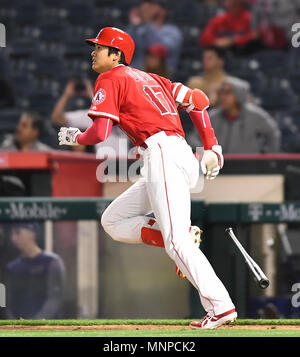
x,y
170,170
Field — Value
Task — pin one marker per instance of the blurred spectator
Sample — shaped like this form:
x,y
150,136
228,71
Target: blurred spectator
x,y
156,60
7,97
79,119
35,279
76,118
240,126
148,26
273,20
27,135
230,30
213,75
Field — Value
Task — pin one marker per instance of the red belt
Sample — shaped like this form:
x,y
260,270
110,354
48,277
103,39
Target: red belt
x,y
168,133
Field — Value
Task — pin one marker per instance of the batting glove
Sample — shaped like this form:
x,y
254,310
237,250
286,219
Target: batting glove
x,y
68,136
212,161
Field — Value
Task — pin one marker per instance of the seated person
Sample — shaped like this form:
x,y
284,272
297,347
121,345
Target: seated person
x,y
26,137
241,126
230,30
213,75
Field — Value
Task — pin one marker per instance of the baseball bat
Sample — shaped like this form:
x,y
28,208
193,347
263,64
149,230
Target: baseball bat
x,y
259,275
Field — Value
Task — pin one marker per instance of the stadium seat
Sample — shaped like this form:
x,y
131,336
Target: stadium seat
x,y
289,124
256,79
28,14
41,101
277,98
270,61
7,4
80,13
53,32
186,12
22,48
5,65
9,119
294,78
50,4
77,48
123,5
191,35
23,84
49,65
294,115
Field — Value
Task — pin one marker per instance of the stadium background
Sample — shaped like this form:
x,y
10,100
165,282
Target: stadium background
x,y
44,49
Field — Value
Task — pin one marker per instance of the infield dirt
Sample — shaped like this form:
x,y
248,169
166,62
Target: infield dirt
x,y
145,327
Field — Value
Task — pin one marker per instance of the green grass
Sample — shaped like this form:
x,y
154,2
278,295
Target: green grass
x,y
77,332
150,333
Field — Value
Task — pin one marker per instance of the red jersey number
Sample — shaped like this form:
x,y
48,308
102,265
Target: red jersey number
x,y
158,98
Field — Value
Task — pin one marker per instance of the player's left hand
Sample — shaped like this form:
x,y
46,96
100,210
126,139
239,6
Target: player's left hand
x,y
212,161
68,136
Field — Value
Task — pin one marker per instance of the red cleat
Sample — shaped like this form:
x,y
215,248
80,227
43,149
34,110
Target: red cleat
x,y
212,322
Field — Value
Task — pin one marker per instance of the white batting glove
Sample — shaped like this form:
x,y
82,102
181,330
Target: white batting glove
x,y
68,136
212,161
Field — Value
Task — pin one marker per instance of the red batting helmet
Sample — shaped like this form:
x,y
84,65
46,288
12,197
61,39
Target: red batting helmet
x,y
113,37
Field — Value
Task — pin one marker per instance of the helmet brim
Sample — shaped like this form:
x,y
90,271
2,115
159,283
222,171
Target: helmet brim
x,y
91,41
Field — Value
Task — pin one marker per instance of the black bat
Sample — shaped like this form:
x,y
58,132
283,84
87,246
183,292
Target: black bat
x,y
260,277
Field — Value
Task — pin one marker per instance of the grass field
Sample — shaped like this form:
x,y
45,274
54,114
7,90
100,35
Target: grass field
x,y
145,328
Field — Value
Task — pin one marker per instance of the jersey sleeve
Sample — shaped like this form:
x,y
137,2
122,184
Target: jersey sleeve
x,y
106,100
179,92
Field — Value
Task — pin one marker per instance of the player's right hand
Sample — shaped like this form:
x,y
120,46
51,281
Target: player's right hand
x,y
212,161
68,136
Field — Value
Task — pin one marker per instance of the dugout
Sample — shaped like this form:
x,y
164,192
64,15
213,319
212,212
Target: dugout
x,y
107,279
114,280
55,173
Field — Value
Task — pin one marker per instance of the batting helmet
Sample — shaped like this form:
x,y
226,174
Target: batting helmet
x,y
114,37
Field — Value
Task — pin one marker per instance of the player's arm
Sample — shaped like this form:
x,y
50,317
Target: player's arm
x,y
212,160
196,102
96,133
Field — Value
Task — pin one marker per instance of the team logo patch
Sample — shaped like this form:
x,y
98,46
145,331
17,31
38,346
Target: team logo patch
x,y
99,97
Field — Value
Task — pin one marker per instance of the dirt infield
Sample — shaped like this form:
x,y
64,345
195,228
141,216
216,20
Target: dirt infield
x,y
144,327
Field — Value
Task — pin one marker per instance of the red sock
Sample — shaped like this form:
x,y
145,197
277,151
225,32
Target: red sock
x,y
151,236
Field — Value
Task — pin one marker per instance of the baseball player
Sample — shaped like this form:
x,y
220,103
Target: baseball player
x,y
144,106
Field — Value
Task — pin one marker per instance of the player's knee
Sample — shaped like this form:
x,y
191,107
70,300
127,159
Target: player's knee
x,y
175,245
109,224
106,221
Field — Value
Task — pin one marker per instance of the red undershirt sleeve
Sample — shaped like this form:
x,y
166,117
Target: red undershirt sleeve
x,y
97,132
203,125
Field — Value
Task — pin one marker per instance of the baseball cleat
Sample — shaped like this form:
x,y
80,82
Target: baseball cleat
x,y
195,233
212,322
